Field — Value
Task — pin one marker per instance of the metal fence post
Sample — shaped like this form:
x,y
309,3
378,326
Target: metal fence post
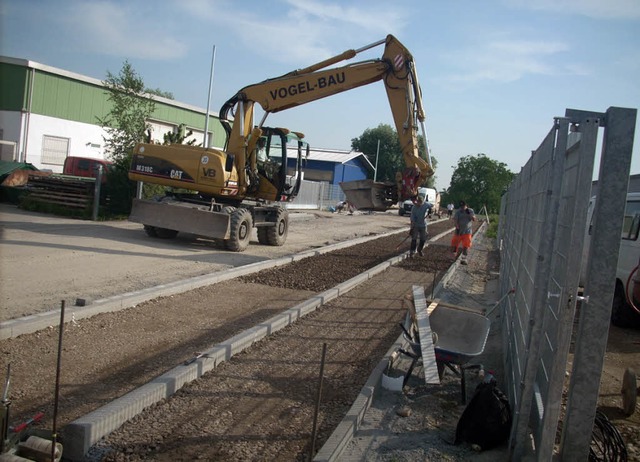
x,y
96,194
593,328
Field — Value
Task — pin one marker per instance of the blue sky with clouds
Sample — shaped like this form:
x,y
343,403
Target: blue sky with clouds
x,y
493,73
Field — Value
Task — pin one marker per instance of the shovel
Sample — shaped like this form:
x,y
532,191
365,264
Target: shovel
x,y
403,241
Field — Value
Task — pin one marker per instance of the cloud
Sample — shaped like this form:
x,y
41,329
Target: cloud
x,y
117,29
508,60
297,31
597,9
369,16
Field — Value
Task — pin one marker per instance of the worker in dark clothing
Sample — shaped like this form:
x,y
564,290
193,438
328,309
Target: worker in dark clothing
x,y
418,228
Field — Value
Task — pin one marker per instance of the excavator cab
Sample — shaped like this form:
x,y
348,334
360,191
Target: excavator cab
x,y
275,164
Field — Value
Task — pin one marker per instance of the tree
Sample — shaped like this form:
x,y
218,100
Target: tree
x,y
131,106
479,181
125,125
431,181
158,92
390,159
179,136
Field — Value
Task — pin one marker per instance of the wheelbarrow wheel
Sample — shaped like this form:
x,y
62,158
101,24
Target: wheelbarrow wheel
x,y
629,392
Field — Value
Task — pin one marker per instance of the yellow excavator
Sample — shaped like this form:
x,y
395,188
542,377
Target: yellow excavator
x,y
244,185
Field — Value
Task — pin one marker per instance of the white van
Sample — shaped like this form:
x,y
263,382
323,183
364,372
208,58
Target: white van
x,y
431,196
622,314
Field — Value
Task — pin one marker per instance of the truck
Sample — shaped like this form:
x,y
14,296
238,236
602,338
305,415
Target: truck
x,y
231,190
86,167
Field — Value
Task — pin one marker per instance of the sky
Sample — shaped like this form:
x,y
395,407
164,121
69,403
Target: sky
x,y
493,73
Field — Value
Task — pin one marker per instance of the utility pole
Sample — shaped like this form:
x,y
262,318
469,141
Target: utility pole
x,y
206,116
375,172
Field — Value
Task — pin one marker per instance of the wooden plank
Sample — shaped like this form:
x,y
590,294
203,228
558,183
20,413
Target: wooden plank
x,y
432,306
426,340
61,195
457,307
61,203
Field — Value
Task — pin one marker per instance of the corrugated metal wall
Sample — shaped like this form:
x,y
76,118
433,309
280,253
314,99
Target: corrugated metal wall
x,y
316,196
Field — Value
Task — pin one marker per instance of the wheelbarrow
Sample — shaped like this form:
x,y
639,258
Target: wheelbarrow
x,y
459,335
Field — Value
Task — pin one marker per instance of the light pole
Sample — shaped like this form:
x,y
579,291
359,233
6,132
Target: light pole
x,y
375,171
206,117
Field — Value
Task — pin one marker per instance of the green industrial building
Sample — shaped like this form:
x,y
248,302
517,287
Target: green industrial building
x,y
47,114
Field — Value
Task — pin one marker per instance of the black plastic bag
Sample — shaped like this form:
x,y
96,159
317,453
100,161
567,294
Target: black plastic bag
x,y
486,421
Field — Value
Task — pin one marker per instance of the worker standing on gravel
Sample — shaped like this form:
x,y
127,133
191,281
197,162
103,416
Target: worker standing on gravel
x,y
462,218
418,230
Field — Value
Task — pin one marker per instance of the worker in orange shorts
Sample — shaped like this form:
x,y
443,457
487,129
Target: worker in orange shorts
x,y
462,218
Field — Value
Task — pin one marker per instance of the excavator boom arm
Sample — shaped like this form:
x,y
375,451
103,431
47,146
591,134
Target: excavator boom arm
x,y
396,69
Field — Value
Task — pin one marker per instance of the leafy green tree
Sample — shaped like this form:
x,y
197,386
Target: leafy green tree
x,y
431,181
390,159
125,124
158,92
479,181
179,136
131,106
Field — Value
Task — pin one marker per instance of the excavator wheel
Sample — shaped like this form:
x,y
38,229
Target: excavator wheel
x,y
239,230
277,235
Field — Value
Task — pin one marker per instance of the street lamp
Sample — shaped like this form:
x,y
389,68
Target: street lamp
x,y
375,171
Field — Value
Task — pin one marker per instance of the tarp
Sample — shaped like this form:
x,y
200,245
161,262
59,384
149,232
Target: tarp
x,y
7,167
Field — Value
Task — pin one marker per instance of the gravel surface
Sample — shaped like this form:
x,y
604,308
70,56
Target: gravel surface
x,y
46,259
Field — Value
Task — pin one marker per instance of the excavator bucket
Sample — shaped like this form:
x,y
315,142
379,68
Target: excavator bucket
x,y
369,195
180,217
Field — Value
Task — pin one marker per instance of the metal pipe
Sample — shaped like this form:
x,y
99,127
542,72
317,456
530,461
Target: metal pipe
x,y
25,135
315,415
206,117
54,435
375,171
374,44
96,193
5,404
511,291
426,142
336,59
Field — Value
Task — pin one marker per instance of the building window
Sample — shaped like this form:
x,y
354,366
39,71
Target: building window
x,y
54,149
159,129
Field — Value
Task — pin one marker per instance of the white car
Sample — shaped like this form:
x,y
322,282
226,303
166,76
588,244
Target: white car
x,y
429,193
